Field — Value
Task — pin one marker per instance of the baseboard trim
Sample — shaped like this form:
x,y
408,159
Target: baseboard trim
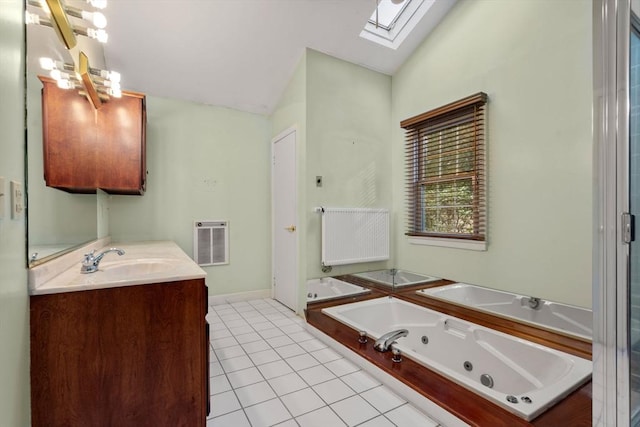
x,y
240,296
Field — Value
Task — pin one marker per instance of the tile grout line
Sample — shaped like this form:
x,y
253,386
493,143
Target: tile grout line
x,y
268,384
287,316
293,369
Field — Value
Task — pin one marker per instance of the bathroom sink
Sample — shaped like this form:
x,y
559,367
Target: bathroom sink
x,y
138,267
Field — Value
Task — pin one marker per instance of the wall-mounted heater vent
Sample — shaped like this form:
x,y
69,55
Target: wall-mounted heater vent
x,y
211,242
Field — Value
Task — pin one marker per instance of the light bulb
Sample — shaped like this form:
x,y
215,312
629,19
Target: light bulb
x,y
45,7
31,18
100,35
98,4
97,18
66,84
114,76
56,74
59,75
47,64
112,85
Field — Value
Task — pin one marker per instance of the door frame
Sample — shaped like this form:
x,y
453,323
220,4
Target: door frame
x,y
293,129
610,354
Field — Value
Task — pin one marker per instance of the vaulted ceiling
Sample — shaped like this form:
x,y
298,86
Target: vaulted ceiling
x,y
241,53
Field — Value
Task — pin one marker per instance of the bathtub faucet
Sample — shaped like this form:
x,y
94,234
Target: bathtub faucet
x,y
384,342
90,262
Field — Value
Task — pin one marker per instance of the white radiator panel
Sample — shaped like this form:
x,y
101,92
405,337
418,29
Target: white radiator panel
x,y
354,235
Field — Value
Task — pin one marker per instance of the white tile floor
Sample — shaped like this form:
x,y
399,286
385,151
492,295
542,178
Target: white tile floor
x,y
267,370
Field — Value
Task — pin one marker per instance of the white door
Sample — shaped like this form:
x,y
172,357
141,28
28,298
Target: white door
x,y
285,254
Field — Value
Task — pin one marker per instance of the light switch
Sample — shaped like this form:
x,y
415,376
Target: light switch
x,y
17,200
3,191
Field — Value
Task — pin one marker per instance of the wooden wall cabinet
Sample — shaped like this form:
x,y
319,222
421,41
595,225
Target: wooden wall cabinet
x,y
86,149
127,356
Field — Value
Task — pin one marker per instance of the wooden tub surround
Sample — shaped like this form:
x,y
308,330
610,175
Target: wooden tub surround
x,y
573,410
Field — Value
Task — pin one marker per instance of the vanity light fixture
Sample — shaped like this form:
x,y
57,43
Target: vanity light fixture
x,y
107,78
96,18
98,4
92,92
96,84
68,34
58,19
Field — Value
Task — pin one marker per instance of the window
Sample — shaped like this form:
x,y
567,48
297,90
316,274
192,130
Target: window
x,y
445,171
395,21
387,13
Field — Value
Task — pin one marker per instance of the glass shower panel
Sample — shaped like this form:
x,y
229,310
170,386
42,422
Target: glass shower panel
x,y
634,205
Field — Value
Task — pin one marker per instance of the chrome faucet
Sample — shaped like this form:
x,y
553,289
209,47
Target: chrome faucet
x,y
384,342
90,262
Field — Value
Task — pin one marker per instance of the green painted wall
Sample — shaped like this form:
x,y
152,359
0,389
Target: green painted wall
x,y
533,58
341,112
204,163
348,144
291,109
14,301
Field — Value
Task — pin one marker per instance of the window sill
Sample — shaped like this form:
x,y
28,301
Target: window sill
x,y
471,245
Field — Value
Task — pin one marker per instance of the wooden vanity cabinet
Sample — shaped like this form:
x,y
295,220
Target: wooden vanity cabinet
x,y
126,356
85,148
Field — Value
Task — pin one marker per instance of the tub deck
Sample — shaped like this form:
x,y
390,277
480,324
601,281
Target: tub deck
x,y
388,289
404,278
562,318
330,288
574,410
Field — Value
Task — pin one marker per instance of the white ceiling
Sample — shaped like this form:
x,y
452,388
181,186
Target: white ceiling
x,y
241,53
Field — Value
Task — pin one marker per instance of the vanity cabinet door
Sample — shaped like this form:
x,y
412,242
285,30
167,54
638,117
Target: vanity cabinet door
x,y
69,140
122,145
86,149
130,356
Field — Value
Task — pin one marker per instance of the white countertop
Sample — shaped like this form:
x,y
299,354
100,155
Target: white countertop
x,y
142,263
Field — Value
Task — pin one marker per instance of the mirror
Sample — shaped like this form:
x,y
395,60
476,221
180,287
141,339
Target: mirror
x,y
57,221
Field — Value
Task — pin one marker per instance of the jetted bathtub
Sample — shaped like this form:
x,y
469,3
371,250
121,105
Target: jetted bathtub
x,y
328,288
559,317
397,278
523,377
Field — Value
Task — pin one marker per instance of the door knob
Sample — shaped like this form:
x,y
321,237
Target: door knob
x,y
290,228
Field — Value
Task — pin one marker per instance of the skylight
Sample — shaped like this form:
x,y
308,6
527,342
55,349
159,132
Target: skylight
x,y
387,13
393,21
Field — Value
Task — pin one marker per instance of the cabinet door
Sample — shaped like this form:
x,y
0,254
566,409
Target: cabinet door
x,y
127,357
121,137
69,140
87,148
